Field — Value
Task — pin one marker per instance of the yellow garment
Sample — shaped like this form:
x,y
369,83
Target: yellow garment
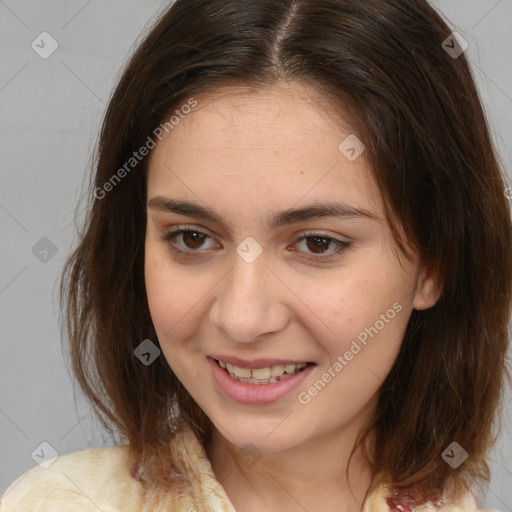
x,y
100,480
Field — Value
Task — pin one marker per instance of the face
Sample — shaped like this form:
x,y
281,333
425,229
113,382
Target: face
x,y
268,257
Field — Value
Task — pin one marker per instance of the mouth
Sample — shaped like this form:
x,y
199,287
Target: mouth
x,y
264,375
258,382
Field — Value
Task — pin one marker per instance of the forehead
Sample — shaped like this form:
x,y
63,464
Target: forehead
x,y
280,143
258,118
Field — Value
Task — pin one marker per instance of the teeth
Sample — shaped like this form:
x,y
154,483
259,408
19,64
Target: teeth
x,y
259,373
277,370
244,372
267,375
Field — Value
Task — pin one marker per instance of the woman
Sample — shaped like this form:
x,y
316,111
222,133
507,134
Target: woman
x,y
293,288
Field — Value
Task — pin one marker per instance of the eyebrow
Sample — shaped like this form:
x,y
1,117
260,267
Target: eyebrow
x,y
282,218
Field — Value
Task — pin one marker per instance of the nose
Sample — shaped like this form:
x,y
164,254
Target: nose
x,y
250,302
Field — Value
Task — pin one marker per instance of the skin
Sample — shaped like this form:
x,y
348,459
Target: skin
x,y
247,155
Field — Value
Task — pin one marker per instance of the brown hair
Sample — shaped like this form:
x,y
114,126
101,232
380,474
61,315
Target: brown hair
x,y
418,112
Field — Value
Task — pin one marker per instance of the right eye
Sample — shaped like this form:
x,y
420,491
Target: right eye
x,y
186,240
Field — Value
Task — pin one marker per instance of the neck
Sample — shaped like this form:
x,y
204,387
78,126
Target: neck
x,y
310,476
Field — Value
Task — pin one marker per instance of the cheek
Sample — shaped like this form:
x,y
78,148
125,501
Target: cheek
x,y
173,299
363,318
356,302
368,335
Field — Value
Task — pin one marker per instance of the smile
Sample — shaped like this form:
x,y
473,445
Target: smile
x,y
265,375
267,381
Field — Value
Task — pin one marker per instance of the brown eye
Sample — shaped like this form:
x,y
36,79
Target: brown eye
x,y
188,241
318,244
193,239
318,247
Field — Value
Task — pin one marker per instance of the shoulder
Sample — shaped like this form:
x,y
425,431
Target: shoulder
x,y
85,480
384,500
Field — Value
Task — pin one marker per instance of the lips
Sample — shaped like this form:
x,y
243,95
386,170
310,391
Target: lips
x,y
257,391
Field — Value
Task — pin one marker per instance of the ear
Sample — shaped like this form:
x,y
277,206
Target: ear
x,y
428,290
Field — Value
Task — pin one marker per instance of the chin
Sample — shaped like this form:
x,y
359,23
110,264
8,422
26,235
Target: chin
x,y
259,437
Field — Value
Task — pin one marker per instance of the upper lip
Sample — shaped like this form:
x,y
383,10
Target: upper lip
x,y
255,363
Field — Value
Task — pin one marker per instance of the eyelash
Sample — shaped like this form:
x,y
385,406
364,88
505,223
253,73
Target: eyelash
x,y
341,245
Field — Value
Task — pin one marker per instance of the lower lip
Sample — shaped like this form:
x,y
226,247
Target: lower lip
x,y
245,393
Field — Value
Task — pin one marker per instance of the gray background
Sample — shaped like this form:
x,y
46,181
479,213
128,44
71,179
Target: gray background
x,y
51,111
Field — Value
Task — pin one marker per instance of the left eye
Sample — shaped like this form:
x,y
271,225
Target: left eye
x,y
320,244
188,241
